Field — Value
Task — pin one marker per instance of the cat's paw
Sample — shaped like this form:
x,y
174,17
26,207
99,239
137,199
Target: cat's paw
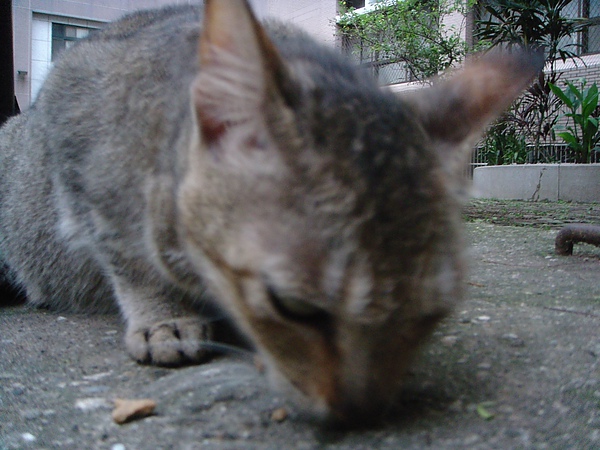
x,y
172,342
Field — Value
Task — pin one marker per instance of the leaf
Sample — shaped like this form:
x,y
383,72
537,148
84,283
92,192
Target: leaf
x,y
574,92
591,93
588,108
483,412
570,139
561,95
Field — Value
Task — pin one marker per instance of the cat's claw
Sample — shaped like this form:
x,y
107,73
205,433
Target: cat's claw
x,y
173,342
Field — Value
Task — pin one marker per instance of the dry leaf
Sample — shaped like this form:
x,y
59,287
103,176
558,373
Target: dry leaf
x,y
128,410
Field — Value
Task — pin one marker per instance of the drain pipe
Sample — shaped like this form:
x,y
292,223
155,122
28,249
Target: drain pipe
x,y
575,233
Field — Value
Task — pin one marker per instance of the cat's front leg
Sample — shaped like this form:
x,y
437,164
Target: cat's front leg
x,y
161,329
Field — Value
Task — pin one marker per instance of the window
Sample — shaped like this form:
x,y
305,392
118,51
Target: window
x,y
64,36
590,37
385,70
50,35
355,4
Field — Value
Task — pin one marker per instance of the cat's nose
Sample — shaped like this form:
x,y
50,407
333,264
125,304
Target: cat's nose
x,y
351,410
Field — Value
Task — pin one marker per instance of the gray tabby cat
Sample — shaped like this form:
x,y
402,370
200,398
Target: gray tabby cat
x,y
255,170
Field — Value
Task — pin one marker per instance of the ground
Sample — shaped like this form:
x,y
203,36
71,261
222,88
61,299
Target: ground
x,y
517,366
543,214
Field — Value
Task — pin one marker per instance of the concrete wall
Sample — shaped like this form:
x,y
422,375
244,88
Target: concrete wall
x,y
569,182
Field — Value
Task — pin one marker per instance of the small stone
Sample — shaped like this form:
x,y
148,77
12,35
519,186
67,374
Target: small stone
x,y
31,414
471,439
18,390
118,447
28,437
513,340
483,318
449,341
279,415
94,389
97,376
91,403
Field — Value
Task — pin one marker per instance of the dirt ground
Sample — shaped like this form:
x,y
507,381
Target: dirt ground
x,y
517,366
549,215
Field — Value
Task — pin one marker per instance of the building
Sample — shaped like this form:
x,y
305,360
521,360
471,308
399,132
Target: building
x,y
43,28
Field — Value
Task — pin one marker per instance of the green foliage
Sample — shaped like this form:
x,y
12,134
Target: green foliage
x,y
581,133
530,24
411,32
502,144
533,25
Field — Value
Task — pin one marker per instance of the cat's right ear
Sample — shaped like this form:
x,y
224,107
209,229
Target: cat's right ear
x,y
240,70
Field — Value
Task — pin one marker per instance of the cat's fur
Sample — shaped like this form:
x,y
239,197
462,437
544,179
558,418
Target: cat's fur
x,y
319,211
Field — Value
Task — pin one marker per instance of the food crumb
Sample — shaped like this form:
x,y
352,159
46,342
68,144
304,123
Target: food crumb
x,y
279,415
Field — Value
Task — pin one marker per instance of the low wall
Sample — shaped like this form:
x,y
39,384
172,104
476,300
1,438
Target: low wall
x,y
569,182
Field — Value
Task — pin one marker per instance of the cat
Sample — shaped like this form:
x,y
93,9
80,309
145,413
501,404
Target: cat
x,y
168,167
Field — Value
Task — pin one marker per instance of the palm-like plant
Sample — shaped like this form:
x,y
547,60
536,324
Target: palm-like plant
x,y
582,134
533,25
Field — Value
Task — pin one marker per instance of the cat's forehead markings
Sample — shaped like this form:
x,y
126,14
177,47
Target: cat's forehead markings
x,y
335,272
359,292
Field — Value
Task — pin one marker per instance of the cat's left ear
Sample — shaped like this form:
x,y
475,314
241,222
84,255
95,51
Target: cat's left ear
x,y
457,110
240,70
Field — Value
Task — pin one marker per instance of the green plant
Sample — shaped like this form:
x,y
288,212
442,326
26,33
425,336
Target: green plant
x,y
503,144
581,133
411,33
530,24
534,25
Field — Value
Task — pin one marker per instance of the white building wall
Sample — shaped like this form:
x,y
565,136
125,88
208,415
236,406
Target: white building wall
x,y
316,17
32,24
456,23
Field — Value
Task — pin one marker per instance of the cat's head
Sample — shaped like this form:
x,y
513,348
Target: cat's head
x,y
323,212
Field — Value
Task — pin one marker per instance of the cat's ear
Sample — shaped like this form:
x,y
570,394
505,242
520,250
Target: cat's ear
x,y
240,69
457,110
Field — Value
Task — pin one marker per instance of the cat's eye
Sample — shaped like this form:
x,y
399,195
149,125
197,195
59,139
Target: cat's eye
x,y
293,308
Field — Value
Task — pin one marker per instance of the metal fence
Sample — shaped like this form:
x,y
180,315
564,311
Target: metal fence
x,y
548,153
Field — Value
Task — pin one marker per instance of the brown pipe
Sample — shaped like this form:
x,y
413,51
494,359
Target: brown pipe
x,y
575,233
